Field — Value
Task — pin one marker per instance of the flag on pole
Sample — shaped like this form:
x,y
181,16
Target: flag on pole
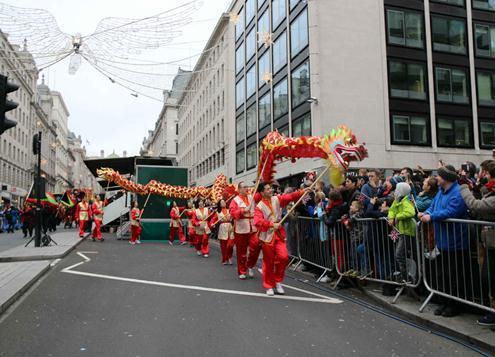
x,y
67,199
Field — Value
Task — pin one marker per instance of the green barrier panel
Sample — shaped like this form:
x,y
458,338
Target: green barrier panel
x,y
158,208
155,230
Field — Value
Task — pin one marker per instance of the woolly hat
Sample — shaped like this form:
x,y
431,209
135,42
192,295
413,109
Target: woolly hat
x,y
395,180
448,173
402,190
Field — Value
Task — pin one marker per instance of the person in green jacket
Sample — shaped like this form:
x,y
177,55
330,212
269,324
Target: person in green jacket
x,y
401,217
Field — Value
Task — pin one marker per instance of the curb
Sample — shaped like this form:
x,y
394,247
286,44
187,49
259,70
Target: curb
x,y
41,257
429,324
22,290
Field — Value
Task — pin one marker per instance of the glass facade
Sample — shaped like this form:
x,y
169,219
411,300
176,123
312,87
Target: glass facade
x,y
278,74
407,80
299,33
485,40
449,35
484,5
487,134
405,28
486,88
410,130
454,132
452,85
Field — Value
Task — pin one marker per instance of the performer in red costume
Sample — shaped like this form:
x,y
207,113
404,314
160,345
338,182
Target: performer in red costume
x,y
135,223
83,212
175,225
267,214
225,232
242,211
97,210
191,237
201,228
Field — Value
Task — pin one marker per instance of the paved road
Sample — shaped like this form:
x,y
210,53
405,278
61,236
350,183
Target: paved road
x,y
150,300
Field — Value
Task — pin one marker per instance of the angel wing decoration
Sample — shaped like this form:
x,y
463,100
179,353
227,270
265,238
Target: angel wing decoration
x,y
108,49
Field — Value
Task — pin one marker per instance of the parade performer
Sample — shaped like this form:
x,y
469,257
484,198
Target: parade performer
x,y
267,214
135,224
176,225
245,233
201,228
97,209
189,212
83,213
225,232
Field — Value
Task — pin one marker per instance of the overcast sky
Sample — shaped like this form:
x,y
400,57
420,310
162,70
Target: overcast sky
x,y
106,115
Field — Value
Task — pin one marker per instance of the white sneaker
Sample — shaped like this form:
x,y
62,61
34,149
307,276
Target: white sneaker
x,y
250,272
205,255
138,241
230,261
133,243
280,289
270,292
325,279
170,243
242,277
198,252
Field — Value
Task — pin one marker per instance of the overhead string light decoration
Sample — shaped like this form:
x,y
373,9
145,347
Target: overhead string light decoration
x,y
111,44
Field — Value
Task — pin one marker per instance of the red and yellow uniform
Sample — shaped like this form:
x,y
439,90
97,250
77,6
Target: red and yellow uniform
x,y
225,234
135,224
201,230
275,255
176,225
83,212
97,210
245,232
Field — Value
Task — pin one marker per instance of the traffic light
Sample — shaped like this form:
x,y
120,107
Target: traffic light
x,y
5,104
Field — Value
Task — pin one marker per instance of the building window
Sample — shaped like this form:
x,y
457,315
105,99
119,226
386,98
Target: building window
x,y
449,35
251,156
240,161
278,12
280,52
485,41
484,5
487,134
486,88
240,128
239,26
250,44
299,33
451,85
407,80
302,126
176,148
264,111
280,99
250,10
451,2
454,133
263,27
251,120
409,130
300,84
264,69
293,3
405,28
250,81
260,2
239,59
239,93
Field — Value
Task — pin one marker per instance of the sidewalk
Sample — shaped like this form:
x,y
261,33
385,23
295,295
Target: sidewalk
x,y
66,240
21,267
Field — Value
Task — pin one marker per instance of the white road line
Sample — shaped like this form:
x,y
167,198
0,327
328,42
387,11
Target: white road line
x,y
55,262
88,252
306,291
199,288
83,256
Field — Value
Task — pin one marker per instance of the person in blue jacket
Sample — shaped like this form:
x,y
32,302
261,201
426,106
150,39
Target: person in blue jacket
x,y
451,239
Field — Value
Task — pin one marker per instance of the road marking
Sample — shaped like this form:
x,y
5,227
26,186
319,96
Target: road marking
x,y
83,256
52,264
325,300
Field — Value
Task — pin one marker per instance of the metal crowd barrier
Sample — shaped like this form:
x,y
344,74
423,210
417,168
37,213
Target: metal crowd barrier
x,y
370,249
458,260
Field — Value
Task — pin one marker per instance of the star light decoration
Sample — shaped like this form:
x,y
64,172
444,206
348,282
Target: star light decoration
x,y
265,38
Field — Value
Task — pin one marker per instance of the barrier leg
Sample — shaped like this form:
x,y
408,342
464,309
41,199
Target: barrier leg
x,y
337,282
322,275
426,302
292,261
398,294
297,265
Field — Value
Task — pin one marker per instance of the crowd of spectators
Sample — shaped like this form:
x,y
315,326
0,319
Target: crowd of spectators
x,y
402,200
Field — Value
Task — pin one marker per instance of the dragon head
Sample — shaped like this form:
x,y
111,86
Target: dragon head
x,y
342,148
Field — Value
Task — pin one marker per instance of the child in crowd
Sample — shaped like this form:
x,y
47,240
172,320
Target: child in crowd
x,y
356,238
401,217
